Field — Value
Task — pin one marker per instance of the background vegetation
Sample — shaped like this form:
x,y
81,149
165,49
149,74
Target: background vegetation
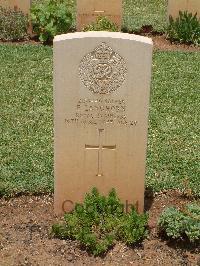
x,y
13,25
51,18
184,29
137,13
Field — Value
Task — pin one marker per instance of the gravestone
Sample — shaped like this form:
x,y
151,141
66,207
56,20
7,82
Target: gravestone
x,y
174,6
89,10
101,97
22,5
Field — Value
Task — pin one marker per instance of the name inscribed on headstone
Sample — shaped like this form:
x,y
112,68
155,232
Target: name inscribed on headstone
x,y
109,112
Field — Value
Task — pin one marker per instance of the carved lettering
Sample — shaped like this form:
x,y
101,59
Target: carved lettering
x,y
101,111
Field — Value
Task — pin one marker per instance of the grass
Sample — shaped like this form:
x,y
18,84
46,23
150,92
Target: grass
x,y
138,13
26,120
173,150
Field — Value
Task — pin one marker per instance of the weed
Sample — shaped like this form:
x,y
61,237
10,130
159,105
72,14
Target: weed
x,y
100,221
184,29
181,224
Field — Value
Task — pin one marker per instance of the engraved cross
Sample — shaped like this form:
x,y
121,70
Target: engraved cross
x,y
100,147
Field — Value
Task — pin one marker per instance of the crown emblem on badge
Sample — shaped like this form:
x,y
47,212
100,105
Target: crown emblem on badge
x,y
102,71
103,52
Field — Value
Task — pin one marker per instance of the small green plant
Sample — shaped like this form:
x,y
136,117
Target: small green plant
x,y
184,29
181,224
50,18
13,25
101,24
100,221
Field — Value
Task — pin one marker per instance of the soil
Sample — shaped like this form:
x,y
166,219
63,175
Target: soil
x,y
25,237
160,43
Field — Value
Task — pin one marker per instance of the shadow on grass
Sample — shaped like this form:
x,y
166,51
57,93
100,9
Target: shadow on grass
x,y
148,198
183,243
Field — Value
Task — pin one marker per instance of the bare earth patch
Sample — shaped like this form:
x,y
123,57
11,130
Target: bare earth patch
x,y
25,237
160,43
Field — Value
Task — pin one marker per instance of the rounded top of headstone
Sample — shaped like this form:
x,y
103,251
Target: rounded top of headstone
x,y
104,34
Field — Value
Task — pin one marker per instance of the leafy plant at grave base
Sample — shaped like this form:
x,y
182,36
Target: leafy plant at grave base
x,y
181,224
13,25
184,29
101,24
100,221
50,18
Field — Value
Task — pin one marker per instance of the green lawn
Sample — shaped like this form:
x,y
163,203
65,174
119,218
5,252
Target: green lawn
x,y
138,13
26,120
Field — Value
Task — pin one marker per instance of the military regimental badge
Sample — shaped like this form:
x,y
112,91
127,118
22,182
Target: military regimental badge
x,y
102,71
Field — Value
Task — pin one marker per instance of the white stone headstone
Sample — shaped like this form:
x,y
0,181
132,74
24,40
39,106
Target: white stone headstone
x,y
101,99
